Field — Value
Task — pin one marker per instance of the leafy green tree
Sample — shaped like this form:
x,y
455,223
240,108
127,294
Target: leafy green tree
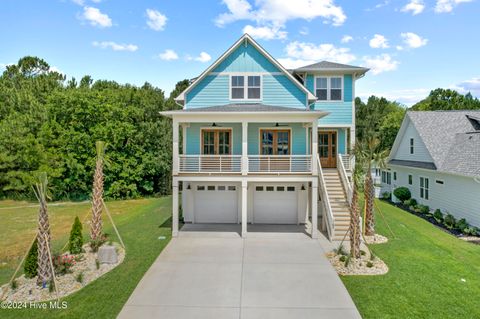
x,y
31,262
75,242
447,99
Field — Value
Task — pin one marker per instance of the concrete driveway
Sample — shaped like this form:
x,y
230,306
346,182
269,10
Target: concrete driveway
x,y
215,275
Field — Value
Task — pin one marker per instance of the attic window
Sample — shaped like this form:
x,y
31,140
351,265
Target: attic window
x,y
245,87
412,143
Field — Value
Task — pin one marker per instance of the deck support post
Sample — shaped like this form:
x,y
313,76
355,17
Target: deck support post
x,y
175,150
244,207
314,232
244,148
175,207
314,147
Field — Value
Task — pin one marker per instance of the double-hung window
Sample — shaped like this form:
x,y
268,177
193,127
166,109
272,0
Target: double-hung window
x,y
243,87
424,188
412,146
329,88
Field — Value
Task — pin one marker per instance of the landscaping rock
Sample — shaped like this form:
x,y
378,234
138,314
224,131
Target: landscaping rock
x,y
376,239
358,266
107,255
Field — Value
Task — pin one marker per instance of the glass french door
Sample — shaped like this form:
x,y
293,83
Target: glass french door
x,y
275,142
327,148
216,142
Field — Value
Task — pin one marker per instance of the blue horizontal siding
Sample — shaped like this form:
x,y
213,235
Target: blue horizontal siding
x,y
347,88
340,113
246,59
279,90
342,147
211,91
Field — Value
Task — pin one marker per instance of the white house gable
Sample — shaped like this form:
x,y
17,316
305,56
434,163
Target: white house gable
x,y
411,147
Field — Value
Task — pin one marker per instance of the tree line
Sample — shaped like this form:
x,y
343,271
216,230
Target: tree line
x,y
49,124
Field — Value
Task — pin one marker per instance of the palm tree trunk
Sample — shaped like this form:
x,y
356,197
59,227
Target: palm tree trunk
x,y
369,198
97,195
43,235
354,224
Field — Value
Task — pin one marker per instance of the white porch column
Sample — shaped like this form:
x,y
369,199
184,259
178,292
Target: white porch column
x,y
174,207
244,148
352,137
244,208
314,232
175,155
314,147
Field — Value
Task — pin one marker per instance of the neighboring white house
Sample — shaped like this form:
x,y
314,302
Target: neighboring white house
x,y
436,155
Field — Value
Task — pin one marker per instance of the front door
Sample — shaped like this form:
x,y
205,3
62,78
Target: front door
x,y
327,148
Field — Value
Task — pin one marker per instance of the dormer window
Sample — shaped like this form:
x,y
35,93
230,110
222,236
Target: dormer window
x,y
245,87
329,88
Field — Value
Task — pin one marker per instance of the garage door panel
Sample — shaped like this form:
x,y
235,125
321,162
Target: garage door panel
x,y
216,204
275,205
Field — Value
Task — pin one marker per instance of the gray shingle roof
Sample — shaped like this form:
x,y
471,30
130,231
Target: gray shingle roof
x,y
245,107
449,139
417,164
326,65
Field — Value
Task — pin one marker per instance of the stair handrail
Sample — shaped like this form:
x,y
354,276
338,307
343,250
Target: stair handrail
x,y
345,181
327,209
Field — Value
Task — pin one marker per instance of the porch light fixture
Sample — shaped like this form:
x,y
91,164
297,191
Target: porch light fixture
x,y
214,125
303,187
188,186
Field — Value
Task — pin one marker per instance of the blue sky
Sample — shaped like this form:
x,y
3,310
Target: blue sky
x,y
411,46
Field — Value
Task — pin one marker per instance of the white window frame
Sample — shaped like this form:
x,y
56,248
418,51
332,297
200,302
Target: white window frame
x,y
329,77
426,189
410,178
245,87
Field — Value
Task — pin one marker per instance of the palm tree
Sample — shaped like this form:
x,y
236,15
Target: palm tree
x,y
369,152
354,228
43,236
97,193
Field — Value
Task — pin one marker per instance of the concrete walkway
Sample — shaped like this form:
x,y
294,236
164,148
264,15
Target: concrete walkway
x,y
220,275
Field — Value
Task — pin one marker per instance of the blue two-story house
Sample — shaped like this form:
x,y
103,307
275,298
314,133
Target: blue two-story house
x,y
265,145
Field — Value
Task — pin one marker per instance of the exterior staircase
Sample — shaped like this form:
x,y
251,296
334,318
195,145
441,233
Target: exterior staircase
x,y
338,203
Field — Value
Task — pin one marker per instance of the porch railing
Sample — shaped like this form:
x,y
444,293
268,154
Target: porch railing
x,y
326,209
343,176
348,161
279,164
210,163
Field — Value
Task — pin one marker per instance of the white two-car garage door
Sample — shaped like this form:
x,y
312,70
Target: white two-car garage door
x,y
275,204
216,203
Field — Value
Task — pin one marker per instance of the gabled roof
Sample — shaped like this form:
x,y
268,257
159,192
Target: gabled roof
x,y
245,37
331,66
452,139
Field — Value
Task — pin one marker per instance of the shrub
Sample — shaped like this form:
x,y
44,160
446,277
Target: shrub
x,y
97,263
97,243
75,242
411,203
449,221
31,263
386,195
340,250
402,193
362,252
438,215
347,260
14,284
369,264
471,231
79,277
461,224
423,209
343,258
63,263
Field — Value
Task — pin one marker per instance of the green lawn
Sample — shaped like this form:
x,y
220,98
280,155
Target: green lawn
x,y
140,222
427,266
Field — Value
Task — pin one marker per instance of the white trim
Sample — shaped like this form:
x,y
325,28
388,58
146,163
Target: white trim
x,y
239,178
246,37
424,188
245,86
241,73
329,88
336,133
252,117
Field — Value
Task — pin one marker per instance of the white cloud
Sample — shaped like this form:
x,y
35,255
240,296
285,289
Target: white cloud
x,y
96,18
115,46
379,5
378,42
168,55
472,86
79,2
275,13
380,63
346,39
443,6
413,40
156,20
304,31
399,48
265,33
203,57
311,52
415,6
